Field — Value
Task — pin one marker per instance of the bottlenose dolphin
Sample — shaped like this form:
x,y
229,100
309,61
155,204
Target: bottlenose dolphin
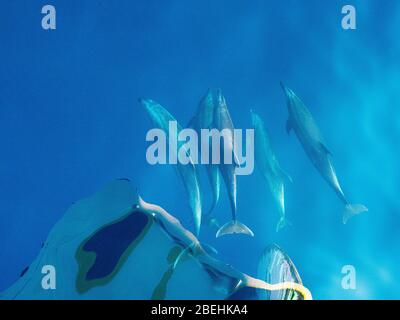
x,y
303,124
269,167
223,121
188,173
204,119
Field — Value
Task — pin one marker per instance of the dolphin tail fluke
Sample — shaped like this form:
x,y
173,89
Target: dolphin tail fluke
x,y
210,221
283,222
351,210
232,227
209,214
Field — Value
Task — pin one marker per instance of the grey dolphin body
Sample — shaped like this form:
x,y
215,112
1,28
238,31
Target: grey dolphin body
x,y
188,173
223,121
204,119
303,124
269,167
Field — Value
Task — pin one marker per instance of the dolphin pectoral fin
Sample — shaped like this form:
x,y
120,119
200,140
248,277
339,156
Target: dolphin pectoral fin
x,y
288,126
233,227
351,210
326,150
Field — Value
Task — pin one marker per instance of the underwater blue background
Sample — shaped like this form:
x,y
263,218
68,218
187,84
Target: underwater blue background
x,y
70,122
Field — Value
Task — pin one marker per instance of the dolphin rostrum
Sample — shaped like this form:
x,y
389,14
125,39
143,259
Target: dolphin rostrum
x,y
303,124
223,122
188,172
269,167
204,119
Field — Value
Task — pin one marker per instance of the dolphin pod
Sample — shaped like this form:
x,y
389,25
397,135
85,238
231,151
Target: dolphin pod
x,y
213,113
269,167
310,137
188,173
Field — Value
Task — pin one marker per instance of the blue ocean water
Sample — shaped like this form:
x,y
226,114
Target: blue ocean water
x,y
70,121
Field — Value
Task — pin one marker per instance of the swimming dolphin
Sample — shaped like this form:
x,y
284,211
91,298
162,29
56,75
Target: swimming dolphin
x,y
269,167
222,120
204,119
303,124
188,173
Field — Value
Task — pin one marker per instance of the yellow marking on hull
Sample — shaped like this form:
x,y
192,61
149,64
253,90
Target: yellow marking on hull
x,y
259,284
